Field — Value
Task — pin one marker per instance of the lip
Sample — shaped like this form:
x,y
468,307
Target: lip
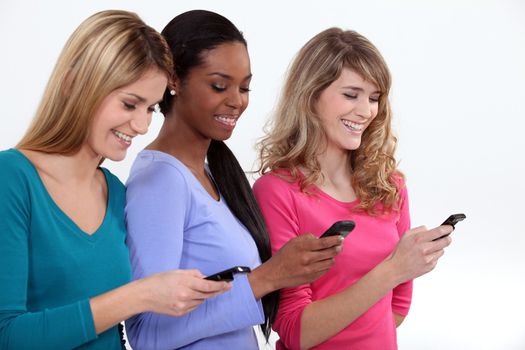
x,y
226,121
123,142
351,130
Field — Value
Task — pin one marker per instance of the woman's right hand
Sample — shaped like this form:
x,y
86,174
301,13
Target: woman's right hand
x,y
301,260
178,292
416,253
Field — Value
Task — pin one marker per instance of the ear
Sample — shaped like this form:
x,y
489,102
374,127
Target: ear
x,y
175,85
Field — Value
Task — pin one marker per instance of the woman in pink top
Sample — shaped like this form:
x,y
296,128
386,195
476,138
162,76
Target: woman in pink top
x,y
329,156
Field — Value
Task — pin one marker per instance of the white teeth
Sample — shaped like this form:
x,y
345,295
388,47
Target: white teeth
x,y
353,126
226,119
122,136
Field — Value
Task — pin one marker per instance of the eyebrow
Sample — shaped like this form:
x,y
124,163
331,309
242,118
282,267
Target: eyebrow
x,y
359,89
140,98
227,77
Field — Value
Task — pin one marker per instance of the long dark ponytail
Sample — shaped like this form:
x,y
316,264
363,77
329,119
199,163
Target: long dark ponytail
x,y
236,190
189,35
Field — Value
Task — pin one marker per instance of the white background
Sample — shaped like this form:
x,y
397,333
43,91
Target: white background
x,y
458,93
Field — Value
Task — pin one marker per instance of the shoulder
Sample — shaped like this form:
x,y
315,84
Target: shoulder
x,y
158,176
112,180
13,161
399,181
16,169
273,180
275,184
154,168
18,178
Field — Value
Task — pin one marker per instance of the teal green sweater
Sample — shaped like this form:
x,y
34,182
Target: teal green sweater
x,y
49,267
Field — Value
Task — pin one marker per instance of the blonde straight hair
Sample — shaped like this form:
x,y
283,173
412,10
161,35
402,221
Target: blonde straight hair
x,y
108,50
295,136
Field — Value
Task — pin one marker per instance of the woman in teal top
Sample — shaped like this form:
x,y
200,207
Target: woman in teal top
x,y
64,266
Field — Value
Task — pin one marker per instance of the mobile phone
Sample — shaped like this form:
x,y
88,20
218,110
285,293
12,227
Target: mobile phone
x,y
227,275
452,220
342,228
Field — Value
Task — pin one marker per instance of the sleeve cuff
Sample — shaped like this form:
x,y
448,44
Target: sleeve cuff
x,y
86,320
254,308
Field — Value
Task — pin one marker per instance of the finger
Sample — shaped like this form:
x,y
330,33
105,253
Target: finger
x,y
199,297
433,259
418,229
192,272
306,237
322,265
439,254
211,295
436,233
324,254
327,242
206,286
188,307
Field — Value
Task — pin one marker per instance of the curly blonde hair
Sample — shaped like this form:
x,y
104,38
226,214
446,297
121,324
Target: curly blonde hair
x,y
295,136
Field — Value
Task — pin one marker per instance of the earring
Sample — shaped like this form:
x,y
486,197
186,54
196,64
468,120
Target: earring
x,y
173,92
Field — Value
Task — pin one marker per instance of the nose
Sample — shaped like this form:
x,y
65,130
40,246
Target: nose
x,y
235,99
140,122
364,108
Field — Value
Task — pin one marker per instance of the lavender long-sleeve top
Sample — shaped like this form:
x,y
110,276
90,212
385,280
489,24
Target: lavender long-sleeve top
x,y
173,223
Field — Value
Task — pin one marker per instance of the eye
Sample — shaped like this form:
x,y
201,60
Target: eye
x,y
350,96
129,106
374,99
245,89
218,88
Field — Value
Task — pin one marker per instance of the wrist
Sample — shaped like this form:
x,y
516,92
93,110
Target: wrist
x,y
141,295
389,272
260,282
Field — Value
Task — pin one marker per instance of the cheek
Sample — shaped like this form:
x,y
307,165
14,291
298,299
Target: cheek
x,y
375,110
245,102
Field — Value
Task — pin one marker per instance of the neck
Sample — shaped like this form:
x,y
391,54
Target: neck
x,y
80,167
335,165
183,142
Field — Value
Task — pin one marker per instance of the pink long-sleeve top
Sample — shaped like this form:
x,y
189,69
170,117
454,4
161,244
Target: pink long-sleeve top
x,y
288,213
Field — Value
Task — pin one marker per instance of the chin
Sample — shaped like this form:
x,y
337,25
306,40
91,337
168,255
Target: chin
x,y
222,136
114,157
352,146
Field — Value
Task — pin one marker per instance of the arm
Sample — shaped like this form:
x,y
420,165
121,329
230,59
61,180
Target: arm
x,y
159,204
414,256
302,323
398,319
402,294
64,326
277,207
71,325
173,293
297,259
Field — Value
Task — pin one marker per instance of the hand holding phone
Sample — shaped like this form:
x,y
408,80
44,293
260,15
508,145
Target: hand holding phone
x,y
452,220
227,275
342,228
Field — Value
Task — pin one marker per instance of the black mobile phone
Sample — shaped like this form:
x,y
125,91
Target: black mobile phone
x,y
452,220
227,275
342,228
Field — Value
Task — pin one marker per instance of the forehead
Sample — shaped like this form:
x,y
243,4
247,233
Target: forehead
x,y
149,87
227,57
350,78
